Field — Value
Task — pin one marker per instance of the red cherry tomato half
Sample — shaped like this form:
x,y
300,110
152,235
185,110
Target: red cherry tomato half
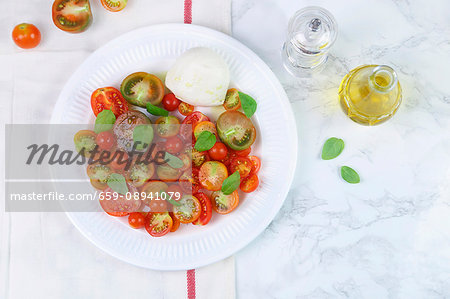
x,y
175,222
206,212
116,204
114,5
193,119
105,140
218,152
73,16
185,109
136,220
250,184
174,145
224,204
108,98
243,153
256,164
158,224
242,165
26,36
120,160
170,102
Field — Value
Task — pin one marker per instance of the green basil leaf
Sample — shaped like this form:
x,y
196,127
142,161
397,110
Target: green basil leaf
x,y
173,161
105,121
142,135
155,110
171,201
332,148
350,175
205,141
248,104
231,183
118,183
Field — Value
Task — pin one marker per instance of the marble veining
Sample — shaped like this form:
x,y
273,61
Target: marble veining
x,y
389,236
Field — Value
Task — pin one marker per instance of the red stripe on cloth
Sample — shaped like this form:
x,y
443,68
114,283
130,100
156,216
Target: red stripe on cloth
x,y
190,276
187,11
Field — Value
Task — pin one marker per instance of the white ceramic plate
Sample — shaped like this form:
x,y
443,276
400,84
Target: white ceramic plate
x,y
153,49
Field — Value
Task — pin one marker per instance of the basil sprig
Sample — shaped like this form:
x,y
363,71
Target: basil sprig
x,y
105,121
155,110
231,183
205,141
118,183
350,175
173,161
248,104
332,148
142,135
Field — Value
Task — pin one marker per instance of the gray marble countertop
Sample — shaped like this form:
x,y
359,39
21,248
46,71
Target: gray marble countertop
x,y
389,236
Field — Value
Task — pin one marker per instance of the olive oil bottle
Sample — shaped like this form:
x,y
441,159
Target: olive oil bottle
x,y
370,94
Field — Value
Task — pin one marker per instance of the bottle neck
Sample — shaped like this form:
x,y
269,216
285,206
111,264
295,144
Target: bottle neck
x,y
383,79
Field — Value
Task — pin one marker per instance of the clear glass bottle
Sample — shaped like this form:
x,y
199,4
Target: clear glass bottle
x,y
370,94
311,33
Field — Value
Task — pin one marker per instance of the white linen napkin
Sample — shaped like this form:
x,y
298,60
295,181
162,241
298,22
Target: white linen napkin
x,y
42,255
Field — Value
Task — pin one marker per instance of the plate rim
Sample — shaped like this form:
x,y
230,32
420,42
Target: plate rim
x,y
269,217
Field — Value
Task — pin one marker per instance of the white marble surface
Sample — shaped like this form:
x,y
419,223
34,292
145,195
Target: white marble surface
x,y
389,236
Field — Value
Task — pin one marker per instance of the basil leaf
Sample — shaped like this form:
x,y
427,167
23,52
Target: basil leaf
x,y
155,110
231,183
171,201
350,175
173,161
205,141
118,183
105,121
332,148
248,104
142,136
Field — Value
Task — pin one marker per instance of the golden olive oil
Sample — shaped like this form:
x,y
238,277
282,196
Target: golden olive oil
x,y
370,94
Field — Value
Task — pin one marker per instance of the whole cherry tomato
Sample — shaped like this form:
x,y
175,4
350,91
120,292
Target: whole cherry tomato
x,y
105,140
26,36
218,152
174,145
170,102
136,220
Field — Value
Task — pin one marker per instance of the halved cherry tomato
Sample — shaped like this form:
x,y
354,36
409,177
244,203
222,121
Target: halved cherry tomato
x,y
98,175
136,220
73,16
250,184
167,173
151,189
167,126
114,5
212,174
85,140
26,36
185,109
188,210
218,152
175,222
119,160
204,126
189,181
116,204
105,140
170,102
206,213
224,204
108,98
193,119
174,145
140,173
236,130
243,153
124,128
232,101
241,164
142,88
256,164
198,158
158,224
230,156
187,162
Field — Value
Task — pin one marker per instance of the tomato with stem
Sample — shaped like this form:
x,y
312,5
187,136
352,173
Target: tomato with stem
x,y
26,36
73,16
